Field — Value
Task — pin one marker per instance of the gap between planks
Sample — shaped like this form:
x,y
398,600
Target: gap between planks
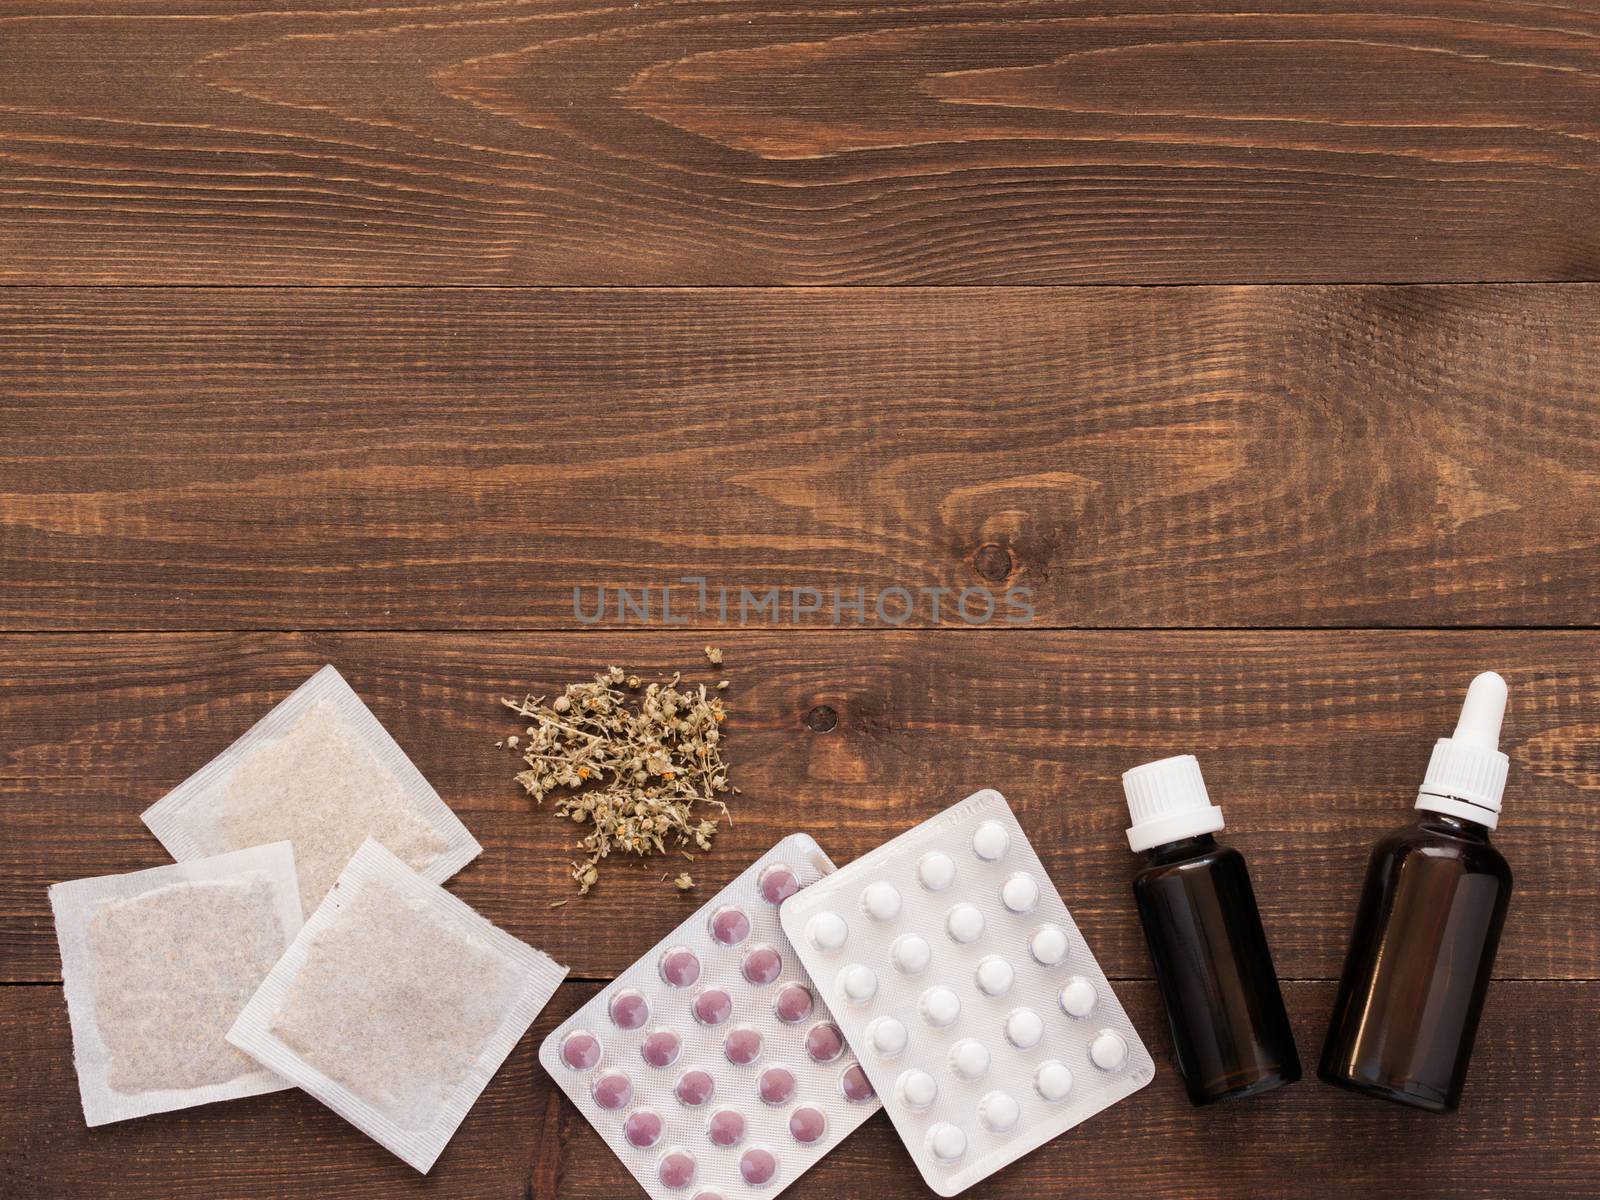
x,y
1076,285
651,630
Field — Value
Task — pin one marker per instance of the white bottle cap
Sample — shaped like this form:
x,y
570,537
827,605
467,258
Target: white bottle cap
x,y
1167,800
1467,773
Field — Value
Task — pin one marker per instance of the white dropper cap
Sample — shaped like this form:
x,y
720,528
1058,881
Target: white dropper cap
x,y
1167,800
1467,773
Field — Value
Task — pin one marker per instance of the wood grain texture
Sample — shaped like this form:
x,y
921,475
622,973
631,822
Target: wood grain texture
x,y
736,142
1314,743
1527,1128
1168,457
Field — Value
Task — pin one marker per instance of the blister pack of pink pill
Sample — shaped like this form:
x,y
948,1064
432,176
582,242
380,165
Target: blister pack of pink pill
x,y
956,972
711,1066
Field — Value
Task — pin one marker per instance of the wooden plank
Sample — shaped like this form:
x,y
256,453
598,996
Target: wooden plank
x,y
704,141
1313,743
1527,1128
1168,457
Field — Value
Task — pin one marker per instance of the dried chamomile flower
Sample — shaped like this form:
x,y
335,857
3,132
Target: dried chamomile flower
x,y
638,767
715,655
684,882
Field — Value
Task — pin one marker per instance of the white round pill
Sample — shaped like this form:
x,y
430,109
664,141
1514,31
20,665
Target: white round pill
x,y
1052,1080
1078,998
881,901
887,1036
1108,1051
859,983
916,1090
998,1112
990,841
1024,1028
827,931
939,1006
969,1059
994,976
1048,945
936,870
946,1141
911,954
1020,893
965,923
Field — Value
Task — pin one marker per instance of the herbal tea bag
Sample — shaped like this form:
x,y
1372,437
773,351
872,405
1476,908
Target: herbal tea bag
x,y
157,965
396,1005
320,771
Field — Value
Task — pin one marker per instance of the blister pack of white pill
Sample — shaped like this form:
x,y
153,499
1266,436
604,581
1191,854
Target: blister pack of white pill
x,y
711,1066
961,980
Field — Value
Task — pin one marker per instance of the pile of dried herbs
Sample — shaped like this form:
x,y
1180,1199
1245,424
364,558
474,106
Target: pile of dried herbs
x,y
638,763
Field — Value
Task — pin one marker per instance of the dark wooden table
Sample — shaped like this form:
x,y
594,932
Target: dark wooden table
x,y
365,334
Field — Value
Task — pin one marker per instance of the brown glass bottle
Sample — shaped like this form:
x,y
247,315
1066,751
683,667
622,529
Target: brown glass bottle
x,y
1419,962
1229,1027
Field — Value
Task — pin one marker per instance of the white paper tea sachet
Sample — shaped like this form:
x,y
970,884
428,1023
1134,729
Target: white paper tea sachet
x,y
320,771
157,965
396,1005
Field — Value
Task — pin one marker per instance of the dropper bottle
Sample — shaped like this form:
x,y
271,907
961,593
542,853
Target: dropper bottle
x,y
1427,926
1230,1033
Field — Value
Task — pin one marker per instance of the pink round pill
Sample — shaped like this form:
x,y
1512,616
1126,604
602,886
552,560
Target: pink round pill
x,y
680,967
742,1046
762,965
824,1043
642,1128
794,1004
580,1050
778,883
776,1085
676,1169
661,1048
758,1166
807,1124
694,1088
855,1085
713,1006
725,1128
629,1010
729,926
613,1091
